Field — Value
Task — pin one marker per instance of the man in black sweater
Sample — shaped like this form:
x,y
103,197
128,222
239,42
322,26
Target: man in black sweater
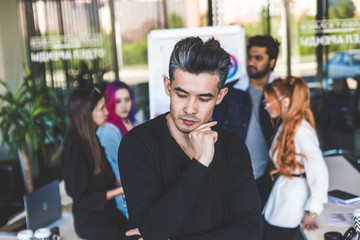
x,y
183,176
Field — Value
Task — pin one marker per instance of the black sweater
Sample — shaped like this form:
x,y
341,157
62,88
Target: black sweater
x,y
94,216
172,196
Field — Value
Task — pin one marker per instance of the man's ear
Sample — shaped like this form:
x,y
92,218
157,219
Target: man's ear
x,y
221,95
167,85
272,63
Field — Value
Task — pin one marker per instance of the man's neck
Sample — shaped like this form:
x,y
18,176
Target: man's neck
x,y
259,83
181,138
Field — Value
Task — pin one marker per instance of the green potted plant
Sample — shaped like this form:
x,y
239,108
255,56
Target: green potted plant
x,y
28,117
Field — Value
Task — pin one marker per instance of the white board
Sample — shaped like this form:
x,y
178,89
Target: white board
x,y
161,44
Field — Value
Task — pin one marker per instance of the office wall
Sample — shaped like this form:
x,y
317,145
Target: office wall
x,y
11,59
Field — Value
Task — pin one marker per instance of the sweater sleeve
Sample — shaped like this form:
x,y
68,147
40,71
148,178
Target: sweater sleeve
x,y
158,215
315,168
77,179
244,202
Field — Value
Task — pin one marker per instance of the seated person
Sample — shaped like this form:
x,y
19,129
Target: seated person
x,y
184,177
89,179
119,102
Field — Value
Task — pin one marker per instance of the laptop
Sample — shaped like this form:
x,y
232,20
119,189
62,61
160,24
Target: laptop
x,y
42,207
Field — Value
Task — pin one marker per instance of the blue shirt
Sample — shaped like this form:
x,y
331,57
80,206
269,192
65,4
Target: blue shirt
x,y
235,113
110,138
255,140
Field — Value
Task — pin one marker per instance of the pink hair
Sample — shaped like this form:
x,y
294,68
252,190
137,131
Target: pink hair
x,y
111,104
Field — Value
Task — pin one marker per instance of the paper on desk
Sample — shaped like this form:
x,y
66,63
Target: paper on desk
x,y
349,205
339,218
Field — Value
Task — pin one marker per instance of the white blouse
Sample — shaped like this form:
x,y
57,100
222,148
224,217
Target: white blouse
x,y
291,197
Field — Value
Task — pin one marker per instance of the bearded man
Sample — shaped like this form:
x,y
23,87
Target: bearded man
x,y
242,111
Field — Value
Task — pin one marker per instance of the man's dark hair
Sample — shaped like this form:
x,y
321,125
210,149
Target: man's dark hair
x,y
271,44
194,56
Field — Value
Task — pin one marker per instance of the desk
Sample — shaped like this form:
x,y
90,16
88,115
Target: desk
x,y
65,224
342,176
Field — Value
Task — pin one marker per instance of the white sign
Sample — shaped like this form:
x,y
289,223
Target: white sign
x,y
54,48
161,44
82,54
331,29
330,26
66,42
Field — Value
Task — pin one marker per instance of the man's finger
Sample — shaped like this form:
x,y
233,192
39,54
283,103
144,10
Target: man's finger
x,y
132,232
206,125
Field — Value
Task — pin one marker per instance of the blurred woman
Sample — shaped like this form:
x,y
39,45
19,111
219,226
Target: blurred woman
x,y
120,105
301,187
88,176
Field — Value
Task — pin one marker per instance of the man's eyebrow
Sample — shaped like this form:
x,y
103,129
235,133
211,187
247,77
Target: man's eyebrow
x,y
181,90
200,95
254,55
206,95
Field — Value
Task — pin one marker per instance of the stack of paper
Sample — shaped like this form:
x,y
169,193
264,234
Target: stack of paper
x,y
340,219
349,205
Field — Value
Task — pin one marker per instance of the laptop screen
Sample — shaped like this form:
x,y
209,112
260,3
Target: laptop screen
x,y
43,206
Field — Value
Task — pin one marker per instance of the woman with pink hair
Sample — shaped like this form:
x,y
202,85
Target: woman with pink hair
x,y
121,107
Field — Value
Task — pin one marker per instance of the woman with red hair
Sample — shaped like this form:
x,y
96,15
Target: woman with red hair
x,y
120,105
301,187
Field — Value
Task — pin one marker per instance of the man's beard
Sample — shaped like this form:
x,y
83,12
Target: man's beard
x,y
259,74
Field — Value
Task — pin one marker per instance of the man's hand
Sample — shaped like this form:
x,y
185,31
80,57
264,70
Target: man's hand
x,y
202,141
133,232
309,222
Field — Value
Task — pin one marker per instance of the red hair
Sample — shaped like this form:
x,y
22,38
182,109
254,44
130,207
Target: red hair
x,y
111,105
298,92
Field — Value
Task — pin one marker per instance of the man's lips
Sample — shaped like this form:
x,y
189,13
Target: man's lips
x,y
251,68
188,122
189,119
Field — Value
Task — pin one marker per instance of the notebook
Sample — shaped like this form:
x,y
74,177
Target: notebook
x,y
42,207
343,197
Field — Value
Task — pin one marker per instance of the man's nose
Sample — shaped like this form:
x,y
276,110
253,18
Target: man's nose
x,y
251,61
191,106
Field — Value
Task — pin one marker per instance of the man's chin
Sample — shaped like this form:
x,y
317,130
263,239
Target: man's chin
x,y
185,130
256,75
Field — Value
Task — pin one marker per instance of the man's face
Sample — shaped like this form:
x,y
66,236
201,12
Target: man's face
x,y
192,99
258,63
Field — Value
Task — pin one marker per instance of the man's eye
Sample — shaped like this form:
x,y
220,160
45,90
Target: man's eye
x,y
204,99
258,58
181,96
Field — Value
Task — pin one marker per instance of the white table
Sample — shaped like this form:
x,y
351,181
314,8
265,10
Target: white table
x,y
65,224
345,177
342,176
